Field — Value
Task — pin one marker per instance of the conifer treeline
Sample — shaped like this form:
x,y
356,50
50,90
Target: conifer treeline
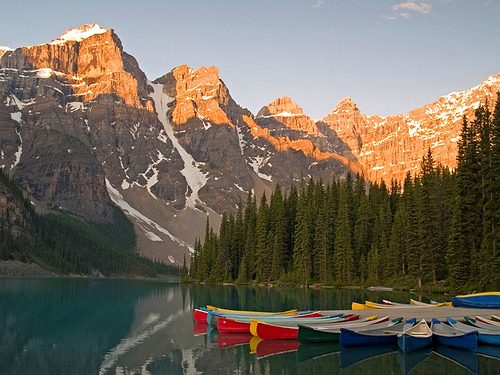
x,y
439,226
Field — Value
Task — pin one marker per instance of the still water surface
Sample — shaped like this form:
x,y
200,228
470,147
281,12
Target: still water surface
x,y
93,326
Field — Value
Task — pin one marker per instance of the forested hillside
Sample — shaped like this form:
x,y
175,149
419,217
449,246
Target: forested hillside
x,y
439,229
66,244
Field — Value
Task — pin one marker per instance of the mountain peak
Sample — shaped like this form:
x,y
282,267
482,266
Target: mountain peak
x,y
281,107
80,33
346,104
4,49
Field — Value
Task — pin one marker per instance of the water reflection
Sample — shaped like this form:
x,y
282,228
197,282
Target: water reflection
x,y
83,326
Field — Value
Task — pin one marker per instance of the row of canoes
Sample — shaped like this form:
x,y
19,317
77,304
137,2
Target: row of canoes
x,y
368,305
351,331
488,300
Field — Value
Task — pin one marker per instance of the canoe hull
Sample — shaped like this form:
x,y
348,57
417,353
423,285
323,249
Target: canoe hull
x,y
273,332
308,334
478,301
200,316
408,343
349,338
467,341
225,325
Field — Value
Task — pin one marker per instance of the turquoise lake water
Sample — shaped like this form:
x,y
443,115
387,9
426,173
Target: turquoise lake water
x,y
111,326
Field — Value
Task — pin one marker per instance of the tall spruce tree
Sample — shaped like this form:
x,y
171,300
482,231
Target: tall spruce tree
x,y
302,257
429,220
343,256
262,264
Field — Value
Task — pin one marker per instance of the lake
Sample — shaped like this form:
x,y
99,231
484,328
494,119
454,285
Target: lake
x,y
114,326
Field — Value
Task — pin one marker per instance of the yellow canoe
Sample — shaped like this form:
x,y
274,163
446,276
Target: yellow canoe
x,y
480,294
288,312
360,306
418,303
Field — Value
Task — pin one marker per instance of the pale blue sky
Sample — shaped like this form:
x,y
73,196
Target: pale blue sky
x,y
388,56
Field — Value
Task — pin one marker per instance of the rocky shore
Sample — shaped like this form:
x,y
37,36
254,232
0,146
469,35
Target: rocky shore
x,y
14,268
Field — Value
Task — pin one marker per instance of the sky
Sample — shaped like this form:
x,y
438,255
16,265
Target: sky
x,y
389,56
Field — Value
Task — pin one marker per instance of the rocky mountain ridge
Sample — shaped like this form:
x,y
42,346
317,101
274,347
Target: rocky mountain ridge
x,y
81,126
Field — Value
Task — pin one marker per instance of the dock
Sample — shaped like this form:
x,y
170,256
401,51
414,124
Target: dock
x,y
420,313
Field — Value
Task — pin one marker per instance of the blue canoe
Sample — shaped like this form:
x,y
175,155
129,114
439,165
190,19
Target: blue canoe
x,y
417,337
489,300
373,336
445,334
484,336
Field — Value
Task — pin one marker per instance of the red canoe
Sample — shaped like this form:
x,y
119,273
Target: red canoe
x,y
270,331
243,326
200,316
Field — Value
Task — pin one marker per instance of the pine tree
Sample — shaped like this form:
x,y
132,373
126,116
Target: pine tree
x,y
413,256
277,208
398,244
262,264
495,192
430,255
363,232
303,242
323,239
343,257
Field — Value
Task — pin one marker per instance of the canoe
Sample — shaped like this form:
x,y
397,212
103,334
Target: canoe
x,y
289,330
373,335
213,316
495,318
432,304
200,315
478,324
489,300
266,348
487,321
374,305
450,336
242,325
395,304
308,333
359,306
484,336
417,337
287,312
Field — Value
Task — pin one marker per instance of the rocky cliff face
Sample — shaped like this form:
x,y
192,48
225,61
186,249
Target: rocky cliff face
x,y
228,150
76,113
389,147
81,127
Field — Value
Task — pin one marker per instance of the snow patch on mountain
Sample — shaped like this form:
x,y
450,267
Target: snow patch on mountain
x,y
195,178
258,162
19,151
118,199
79,34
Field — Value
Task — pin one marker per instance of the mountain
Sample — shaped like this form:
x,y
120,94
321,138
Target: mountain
x,y
389,147
83,129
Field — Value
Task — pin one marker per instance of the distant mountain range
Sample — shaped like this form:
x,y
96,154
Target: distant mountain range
x,y
81,126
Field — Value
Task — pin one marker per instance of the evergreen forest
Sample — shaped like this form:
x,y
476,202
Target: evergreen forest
x,y
437,230
67,245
